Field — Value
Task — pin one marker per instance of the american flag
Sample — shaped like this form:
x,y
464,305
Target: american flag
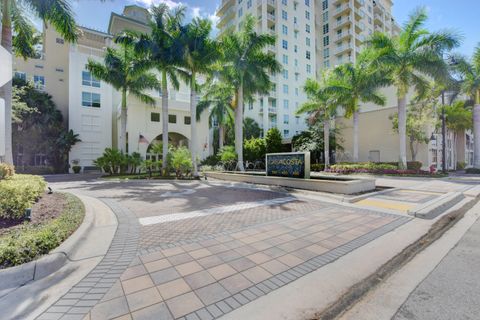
x,y
142,139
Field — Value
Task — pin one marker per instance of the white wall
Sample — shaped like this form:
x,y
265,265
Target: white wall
x,y
94,125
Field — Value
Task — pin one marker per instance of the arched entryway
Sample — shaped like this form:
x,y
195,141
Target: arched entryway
x,y
175,139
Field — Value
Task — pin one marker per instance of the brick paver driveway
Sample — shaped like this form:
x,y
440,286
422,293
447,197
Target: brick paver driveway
x,y
197,250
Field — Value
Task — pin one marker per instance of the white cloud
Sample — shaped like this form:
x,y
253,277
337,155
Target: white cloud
x,y
169,3
195,12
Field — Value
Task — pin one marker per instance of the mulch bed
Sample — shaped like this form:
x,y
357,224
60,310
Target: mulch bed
x,y
48,207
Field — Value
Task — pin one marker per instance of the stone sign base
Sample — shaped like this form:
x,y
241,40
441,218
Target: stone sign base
x,y
335,185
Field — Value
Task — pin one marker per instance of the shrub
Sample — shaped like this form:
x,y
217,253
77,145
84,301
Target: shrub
x,y
6,170
254,149
31,241
317,167
35,170
211,160
112,161
368,166
273,140
472,171
181,161
227,154
18,193
460,165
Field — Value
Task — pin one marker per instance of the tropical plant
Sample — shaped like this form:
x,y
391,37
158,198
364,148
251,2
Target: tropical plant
x,y
247,67
469,70
111,161
217,99
200,52
320,107
352,84
135,161
254,149
408,59
273,140
128,73
181,161
148,166
251,129
163,49
15,16
228,157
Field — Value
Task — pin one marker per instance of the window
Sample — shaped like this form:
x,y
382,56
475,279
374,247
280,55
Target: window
x,y
284,15
295,34
307,3
39,82
307,41
307,15
240,12
307,55
285,119
309,69
89,80
325,5
285,104
20,75
286,133
295,48
187,120
297,120
284,2
296,62
172,118
285,74
307,28
325,16
284,29
285,44
90,99
155,117
249,4
296,92
285,89
285,59
59,41
326,63
326,41
326,53
59,69
325,28
250,105
296,76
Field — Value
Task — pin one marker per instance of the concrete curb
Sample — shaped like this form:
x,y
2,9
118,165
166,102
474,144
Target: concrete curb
x,y
435,207
17,276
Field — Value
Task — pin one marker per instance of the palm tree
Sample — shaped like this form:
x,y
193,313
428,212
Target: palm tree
x,y
163,48
126,72
470,72
218,97
320,106
14,19
408,59
356,83
200,52
247,67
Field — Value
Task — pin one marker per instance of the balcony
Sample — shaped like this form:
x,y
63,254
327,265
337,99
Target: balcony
x,y
272,110
343,9
344,48
343,36
226,4
359,14
359,39
378,18
359,3
343,22
226,18
271,4
271,20
359,27
378,28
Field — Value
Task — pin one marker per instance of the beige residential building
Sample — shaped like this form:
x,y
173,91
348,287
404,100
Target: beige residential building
x,y
91,107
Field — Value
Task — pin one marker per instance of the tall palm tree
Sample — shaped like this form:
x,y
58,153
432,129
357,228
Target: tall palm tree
x,y
470,72
126,72
321,106
411,57
356,83
163,49
14,19
219,98
200,52
247,67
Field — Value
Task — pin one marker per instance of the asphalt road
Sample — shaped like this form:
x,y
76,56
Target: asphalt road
x,y
452,290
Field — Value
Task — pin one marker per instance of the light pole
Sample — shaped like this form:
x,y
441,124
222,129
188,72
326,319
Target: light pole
x,y
444,147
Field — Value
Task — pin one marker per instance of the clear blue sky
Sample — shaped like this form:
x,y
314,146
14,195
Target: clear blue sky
x,y
460,15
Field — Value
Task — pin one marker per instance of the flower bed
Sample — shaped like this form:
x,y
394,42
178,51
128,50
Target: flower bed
x,y
18,193
380,169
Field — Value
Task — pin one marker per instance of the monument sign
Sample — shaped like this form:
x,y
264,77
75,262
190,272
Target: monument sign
x,y
288,164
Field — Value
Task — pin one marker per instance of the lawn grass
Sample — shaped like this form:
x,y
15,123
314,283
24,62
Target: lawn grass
x,y
31,241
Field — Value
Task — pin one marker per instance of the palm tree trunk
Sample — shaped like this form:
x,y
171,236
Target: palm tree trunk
x,y
326,142
164,122
476,131
221,136
123,121
193,124
355,136
6,90
402,131
413,150
239,127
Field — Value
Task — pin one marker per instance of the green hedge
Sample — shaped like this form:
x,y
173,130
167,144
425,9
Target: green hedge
x,y
317,167
472,171
360,166
31,241
18,193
